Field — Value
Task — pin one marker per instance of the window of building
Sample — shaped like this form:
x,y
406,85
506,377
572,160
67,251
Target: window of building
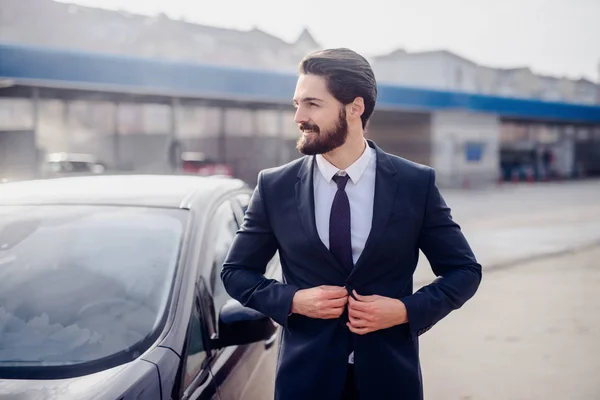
x,y
290,127
267,123
239,122
194,121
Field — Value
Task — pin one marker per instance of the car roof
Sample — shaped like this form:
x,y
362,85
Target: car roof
x,y
171,191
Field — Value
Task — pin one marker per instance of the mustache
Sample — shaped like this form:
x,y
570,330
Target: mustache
x,y
309,127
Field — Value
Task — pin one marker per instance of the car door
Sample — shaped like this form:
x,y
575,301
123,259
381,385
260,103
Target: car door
x,y
241,372
196,380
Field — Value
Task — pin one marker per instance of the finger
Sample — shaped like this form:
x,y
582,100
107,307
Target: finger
x,y
334,312
337,302
334,292
358,323
333,288
358,331
364,298
359,314
359,306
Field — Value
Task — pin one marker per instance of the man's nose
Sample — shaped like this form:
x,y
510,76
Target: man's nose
x,y
300,116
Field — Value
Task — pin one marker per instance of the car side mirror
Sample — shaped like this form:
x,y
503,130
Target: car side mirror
x,y
239,325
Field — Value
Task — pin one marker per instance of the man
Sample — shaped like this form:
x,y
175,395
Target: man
x,y
348,221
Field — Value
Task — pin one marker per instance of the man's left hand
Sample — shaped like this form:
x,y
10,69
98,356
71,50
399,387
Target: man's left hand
x,y
372,313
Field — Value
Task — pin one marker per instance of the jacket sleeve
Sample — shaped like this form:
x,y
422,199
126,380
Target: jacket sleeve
x,y
245,265
452,261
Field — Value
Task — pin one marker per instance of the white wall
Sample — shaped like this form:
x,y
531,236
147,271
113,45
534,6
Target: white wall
x,y
435,70
461,75
446,71
425,71
450,131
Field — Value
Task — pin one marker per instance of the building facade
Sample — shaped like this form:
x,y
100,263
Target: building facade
x,y
130,112
51,24
84,80
447,71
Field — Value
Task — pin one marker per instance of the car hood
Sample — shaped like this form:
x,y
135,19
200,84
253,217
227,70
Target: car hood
x,y
89,386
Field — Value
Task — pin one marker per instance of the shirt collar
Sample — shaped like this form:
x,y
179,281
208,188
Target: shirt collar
x,y
354,171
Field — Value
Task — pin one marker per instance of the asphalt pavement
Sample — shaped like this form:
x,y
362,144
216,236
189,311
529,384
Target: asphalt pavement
x,y
530,333
515,223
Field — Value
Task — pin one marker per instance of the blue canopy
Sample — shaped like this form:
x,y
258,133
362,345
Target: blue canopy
x,y
57,68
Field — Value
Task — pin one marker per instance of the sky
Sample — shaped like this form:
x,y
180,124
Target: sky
x,y
552,37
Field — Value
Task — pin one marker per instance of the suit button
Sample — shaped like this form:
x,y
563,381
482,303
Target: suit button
x,y
349,288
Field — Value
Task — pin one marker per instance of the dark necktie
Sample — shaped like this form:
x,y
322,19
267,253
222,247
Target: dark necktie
x,y
340,243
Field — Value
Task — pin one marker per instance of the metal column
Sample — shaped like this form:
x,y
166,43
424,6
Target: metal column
x,y
116,137
222,136
173,145
35,123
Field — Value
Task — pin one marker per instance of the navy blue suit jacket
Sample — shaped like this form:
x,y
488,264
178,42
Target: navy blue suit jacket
x,y
409,214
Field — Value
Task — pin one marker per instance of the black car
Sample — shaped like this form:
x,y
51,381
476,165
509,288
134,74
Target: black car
x,y
110,289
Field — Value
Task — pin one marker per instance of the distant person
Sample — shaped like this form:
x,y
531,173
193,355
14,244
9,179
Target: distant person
x,y
547,159
174,155
348,221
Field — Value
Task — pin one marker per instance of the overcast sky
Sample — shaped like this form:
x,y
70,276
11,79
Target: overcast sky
x,y
554,37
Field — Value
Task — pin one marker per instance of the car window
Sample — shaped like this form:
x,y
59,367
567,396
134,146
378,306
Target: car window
x,y
196,353
223,229
81,283
243,200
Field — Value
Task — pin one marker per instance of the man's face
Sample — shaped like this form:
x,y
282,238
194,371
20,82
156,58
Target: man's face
x,y
320,117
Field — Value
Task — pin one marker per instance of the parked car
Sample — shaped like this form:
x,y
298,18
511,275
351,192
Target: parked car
x,y
197,163
110,289
69,164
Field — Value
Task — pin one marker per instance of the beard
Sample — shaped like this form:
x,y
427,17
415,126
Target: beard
x,y
321,142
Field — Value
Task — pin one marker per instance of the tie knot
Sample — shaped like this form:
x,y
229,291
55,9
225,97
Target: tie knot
x,y
341,181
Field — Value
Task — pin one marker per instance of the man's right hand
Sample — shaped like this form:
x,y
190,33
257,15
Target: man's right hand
x,y
323,302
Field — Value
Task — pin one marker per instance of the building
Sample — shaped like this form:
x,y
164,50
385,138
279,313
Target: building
x,y
68,26
129,111
52,24
440,70
445,70
128,88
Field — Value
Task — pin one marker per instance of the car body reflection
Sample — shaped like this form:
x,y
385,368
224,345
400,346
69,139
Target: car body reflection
x,y
117,277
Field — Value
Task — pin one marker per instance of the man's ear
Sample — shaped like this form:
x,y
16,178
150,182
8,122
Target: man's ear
x,y
357,107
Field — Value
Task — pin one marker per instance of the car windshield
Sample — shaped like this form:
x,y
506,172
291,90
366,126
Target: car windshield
x,y
80,283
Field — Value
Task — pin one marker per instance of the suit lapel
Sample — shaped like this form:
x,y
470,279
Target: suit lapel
x,y
386,186
306,208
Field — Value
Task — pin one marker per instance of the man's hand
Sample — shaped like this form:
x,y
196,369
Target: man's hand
x,y
323,302
372,313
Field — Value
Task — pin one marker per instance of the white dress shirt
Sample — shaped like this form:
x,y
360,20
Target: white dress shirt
x,y
361,193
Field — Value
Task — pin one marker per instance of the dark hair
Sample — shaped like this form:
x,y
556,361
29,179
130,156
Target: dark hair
x,y
348,75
